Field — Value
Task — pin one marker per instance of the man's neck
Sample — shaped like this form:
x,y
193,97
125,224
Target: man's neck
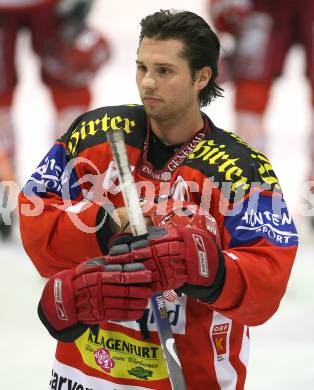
x,y
177,131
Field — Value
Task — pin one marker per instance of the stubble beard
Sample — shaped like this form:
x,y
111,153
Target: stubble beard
x,y
165,113
158,114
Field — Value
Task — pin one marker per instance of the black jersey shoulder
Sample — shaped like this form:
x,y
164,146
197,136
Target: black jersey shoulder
x,y
228,159
90,128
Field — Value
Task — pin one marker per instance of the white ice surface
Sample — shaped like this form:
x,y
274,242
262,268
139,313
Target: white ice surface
x,y
282,350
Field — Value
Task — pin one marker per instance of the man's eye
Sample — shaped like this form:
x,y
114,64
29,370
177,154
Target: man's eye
x,y
141,68
164,70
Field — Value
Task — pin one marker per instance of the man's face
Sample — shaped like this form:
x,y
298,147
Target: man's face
x,y
164,79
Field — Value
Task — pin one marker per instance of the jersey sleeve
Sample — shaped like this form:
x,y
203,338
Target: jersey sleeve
x,y
57,219
259,244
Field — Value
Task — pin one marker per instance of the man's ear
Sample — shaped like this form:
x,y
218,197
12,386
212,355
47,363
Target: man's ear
x,y
203,76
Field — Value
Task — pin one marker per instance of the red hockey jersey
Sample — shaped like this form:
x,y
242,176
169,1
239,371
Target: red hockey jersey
x,y
215,169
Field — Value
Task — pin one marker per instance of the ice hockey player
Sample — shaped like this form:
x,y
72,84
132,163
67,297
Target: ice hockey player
x,y
70,53
215,286
264,31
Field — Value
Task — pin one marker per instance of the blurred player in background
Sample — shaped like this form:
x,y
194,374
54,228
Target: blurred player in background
x,y
264,31
70,54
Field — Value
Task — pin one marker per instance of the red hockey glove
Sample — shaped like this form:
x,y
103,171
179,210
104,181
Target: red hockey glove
x,y
228,15
176,256
92,293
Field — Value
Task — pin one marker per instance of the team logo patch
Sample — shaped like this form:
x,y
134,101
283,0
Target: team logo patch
x,y
54,174
140,372
119,355
102,358
262,216
220,338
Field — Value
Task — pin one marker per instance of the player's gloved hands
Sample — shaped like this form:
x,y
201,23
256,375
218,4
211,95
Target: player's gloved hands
x,y
184,258
92,293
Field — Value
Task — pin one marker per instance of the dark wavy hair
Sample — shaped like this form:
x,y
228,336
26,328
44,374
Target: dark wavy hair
x,y
202,46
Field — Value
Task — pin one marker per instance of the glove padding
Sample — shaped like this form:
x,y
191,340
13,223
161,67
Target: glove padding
x,y
176,256
93,292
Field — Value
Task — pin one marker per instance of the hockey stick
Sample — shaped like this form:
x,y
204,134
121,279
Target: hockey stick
x,y
138,228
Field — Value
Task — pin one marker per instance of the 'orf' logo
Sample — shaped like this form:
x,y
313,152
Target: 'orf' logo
x,y
220,338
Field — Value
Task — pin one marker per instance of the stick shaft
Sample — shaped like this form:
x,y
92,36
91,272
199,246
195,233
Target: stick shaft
x,y
138,227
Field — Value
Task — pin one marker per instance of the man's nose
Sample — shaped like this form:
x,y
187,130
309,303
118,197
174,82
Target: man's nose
x,y
148,82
